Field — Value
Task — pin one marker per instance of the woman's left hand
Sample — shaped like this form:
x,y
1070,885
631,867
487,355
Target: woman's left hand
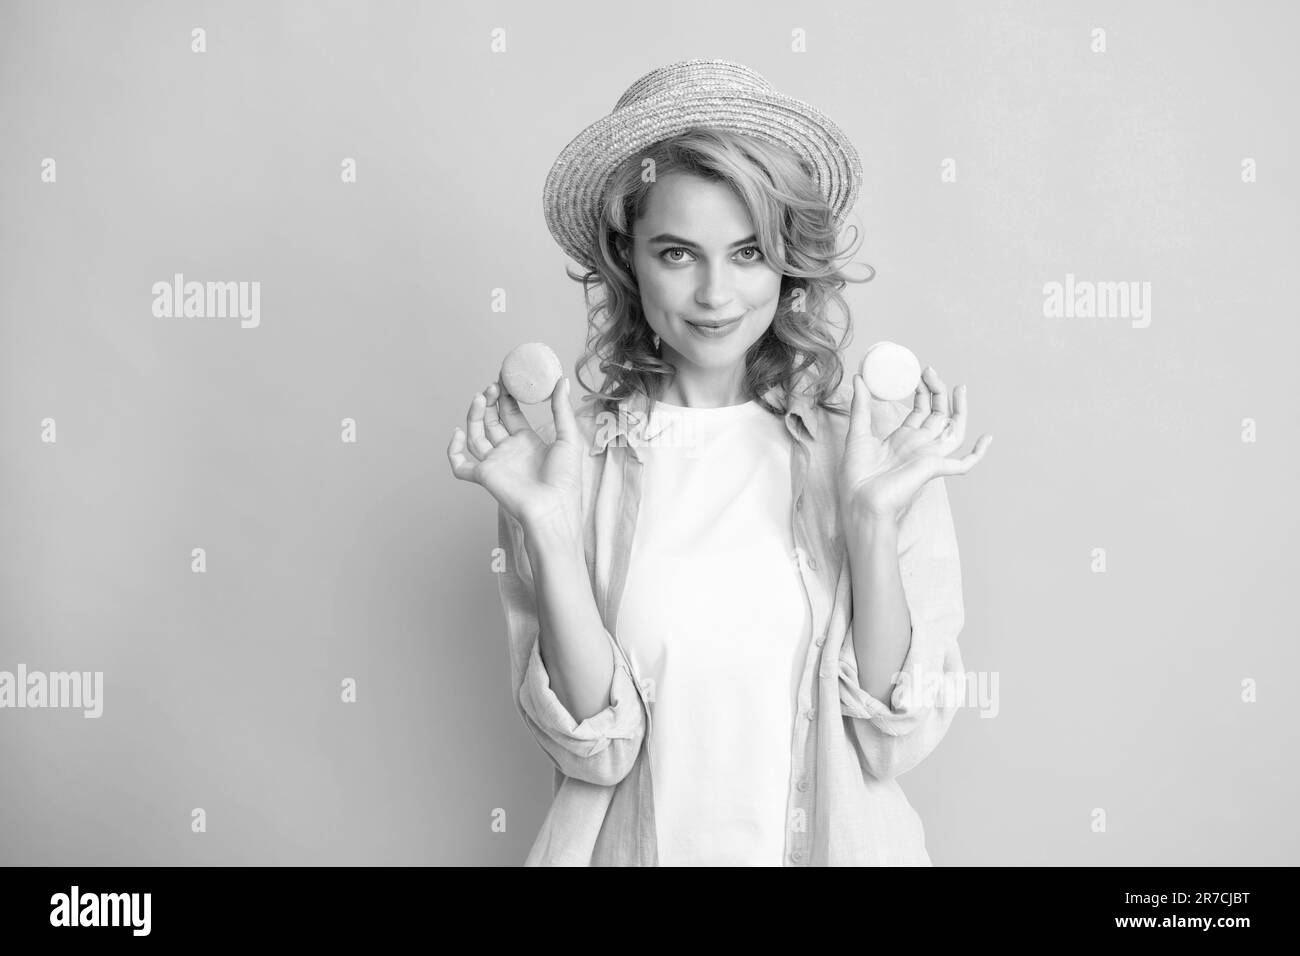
x,y
879,477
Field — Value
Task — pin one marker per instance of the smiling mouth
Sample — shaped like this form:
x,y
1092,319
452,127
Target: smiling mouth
x,y
715,325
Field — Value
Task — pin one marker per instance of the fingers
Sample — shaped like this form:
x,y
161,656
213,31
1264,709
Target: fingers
x,y
860,410
957,426
496,432
566,424
482,423
932,413
868,413
512,416
920,407
938,391
478,442
937,420
484,429
959,466
462,466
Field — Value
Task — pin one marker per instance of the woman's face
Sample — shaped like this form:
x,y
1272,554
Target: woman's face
x,y
696,261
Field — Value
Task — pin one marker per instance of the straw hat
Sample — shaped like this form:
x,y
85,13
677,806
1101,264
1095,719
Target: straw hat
x,y
673,98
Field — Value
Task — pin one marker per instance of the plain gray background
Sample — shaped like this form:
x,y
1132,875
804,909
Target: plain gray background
x,y
1118,690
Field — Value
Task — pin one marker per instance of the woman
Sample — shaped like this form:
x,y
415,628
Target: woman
x,y
732,586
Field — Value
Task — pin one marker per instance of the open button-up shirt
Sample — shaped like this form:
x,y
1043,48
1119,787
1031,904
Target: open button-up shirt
x,y
845,806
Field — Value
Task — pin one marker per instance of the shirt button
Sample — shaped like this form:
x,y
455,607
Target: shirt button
x,y
802,785
811,713
798,503
812,563
821,639
797,856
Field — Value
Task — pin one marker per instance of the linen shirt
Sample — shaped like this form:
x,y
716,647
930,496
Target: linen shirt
x,y
845,806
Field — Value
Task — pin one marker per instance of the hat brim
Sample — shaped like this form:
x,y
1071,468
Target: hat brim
x,y
576,183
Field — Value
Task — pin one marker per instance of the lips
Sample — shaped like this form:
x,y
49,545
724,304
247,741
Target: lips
x,y
715,325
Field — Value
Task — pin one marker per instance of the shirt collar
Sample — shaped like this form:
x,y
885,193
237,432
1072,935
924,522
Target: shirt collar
x,y
632,412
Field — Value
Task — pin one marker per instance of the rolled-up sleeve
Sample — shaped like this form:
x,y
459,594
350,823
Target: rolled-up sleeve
x,y
929,688
601,749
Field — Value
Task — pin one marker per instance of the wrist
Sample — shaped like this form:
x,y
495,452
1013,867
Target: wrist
x,y
866,526
554,536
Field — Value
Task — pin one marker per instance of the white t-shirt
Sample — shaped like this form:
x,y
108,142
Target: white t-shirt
x,y
716,622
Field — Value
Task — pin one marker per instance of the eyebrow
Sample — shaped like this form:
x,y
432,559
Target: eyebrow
x,y
678,240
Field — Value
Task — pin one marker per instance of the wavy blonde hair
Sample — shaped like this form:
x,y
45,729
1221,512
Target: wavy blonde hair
x,y
778,190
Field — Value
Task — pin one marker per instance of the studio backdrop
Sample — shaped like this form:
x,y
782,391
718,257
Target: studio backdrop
x,y
232,515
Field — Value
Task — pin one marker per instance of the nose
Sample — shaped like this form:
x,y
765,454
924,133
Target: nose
x,y
715,289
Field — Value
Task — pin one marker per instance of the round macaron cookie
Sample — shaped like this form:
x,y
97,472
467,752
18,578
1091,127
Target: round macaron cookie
x,y
530,372
891,371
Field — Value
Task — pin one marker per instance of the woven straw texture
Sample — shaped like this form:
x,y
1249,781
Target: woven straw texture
x,y
677,97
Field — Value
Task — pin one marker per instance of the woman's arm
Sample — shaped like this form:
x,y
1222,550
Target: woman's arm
x,y
904,708
536,475
547,596
573,643
882,626
901,670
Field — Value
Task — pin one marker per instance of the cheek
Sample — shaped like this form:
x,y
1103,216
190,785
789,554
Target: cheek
x,y
763,290
665,291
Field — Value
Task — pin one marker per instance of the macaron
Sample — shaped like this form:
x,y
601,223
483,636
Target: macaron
x,y
530,372
891,371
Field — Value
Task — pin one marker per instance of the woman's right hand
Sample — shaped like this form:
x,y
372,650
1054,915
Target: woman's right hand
x,y
540,485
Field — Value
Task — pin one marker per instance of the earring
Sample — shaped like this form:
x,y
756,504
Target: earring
x,y
656,340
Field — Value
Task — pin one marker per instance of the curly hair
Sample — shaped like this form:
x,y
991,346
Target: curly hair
x,y
784,203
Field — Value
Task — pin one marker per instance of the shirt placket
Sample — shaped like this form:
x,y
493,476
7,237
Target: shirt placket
x,y
801,802
628,511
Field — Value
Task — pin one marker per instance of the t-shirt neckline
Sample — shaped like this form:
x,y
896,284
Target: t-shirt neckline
x,y
719,408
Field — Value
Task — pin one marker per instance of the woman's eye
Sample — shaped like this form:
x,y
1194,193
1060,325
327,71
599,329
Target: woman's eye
x,y
668,254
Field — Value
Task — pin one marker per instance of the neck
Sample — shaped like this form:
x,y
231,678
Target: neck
x,y
713,388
